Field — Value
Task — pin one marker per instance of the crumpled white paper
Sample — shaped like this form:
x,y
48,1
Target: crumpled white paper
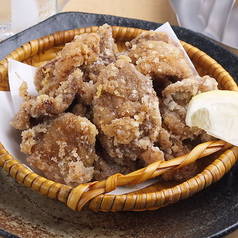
x,y
10,137
18,73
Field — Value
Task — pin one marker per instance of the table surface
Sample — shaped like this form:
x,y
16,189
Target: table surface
x,y
150,10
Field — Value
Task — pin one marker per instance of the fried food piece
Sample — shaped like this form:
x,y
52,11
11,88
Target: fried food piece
x,y
83,50
171,145
90,80
105,166
58,80
176,138
79,110
156,55
175,99
54,99
150,36
107,54
62,148
126,113
182,174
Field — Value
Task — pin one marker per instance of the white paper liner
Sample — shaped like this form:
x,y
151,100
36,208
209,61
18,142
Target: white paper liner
x,y
18,73
10,137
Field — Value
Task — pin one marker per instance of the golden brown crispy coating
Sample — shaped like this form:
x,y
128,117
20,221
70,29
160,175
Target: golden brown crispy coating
x,y
176,137
126,112
173,147
54,99
105,166
58,81
107,55
182,174
171,144
175,99
83,50
150,36
62,148
92,81
156,55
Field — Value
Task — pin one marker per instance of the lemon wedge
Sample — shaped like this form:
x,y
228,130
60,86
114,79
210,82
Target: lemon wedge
x,y
217,113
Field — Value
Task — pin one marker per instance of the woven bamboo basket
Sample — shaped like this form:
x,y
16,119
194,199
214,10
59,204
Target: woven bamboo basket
x,y
215,157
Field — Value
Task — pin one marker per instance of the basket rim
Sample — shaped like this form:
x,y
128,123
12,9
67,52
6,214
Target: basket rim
x,y
87,195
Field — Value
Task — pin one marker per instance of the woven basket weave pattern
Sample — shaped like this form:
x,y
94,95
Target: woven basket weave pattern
x,y
93,195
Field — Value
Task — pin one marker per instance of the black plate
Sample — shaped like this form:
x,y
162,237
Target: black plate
x,y
212,212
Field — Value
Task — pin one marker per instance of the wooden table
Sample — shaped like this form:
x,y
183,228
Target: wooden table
x,y
151,10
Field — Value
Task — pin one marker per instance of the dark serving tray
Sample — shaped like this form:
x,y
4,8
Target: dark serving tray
x,y
212,212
